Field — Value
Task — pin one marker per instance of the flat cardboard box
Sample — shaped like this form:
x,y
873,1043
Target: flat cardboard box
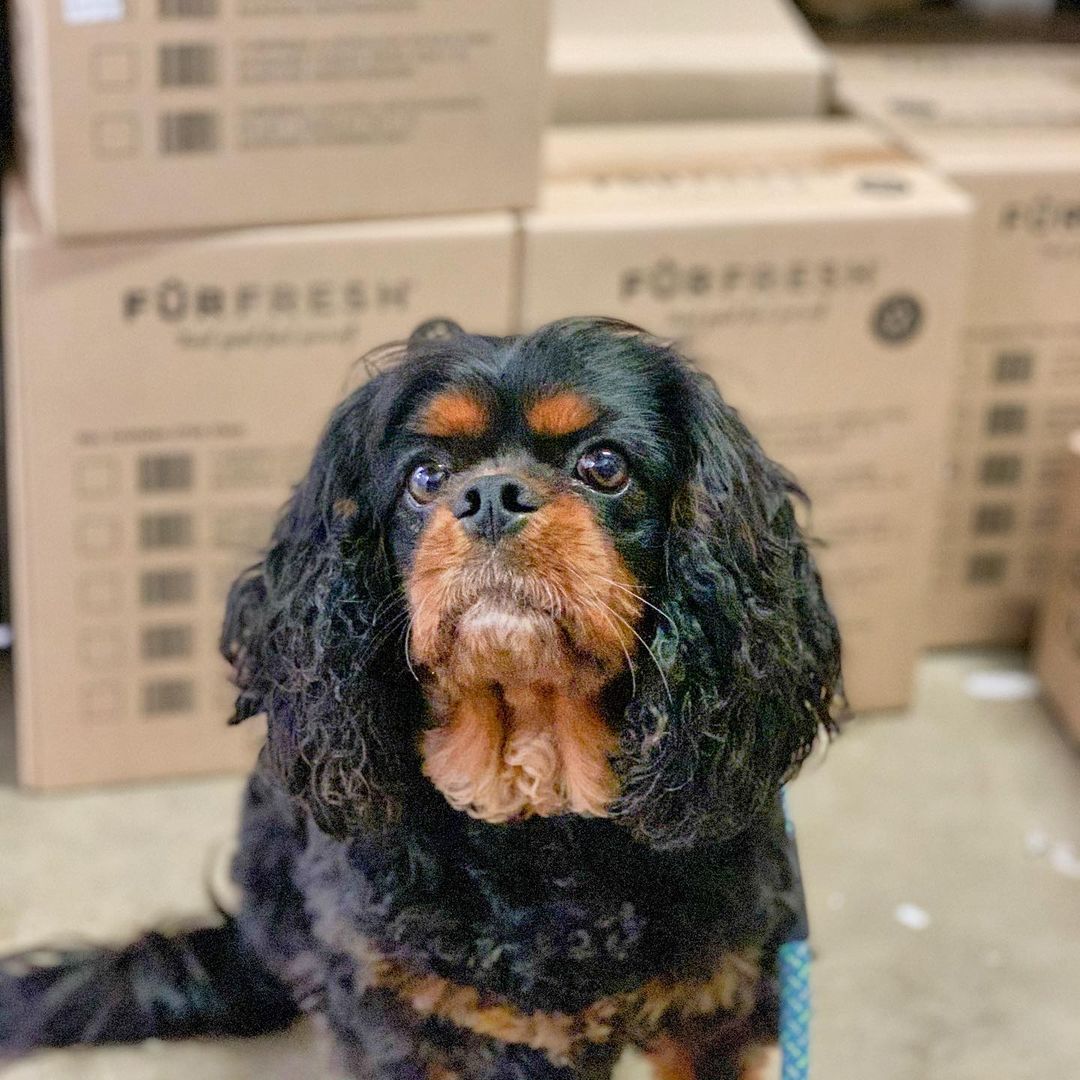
x,y
152,115
1012,140
636,60
1057,651
817,273
162,398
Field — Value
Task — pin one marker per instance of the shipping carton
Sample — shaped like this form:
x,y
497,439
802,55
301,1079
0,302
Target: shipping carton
x,y
818,274
162,398
1057,652
146,115
629,60
1012,141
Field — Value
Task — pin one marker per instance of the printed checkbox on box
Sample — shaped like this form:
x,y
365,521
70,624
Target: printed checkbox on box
x,y
98,534
116,135
101,646
97,478
102,702
99,592
114,67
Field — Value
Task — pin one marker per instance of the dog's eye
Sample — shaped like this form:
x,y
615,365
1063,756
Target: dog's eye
x,y
603,469
427,480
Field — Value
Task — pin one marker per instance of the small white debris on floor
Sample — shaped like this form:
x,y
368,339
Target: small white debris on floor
x,y
1065,860
1002,686
1060,854
1037,843
836,901
912,916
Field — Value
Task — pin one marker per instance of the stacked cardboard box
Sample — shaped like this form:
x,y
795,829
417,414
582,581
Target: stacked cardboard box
x,y
635,60
162,398
1011,140
165,391
1057,654
818,274
195,114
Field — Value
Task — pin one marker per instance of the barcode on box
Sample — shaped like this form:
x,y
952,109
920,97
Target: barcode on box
x,y
158,588
167,642
187,65
189,133
994,519
166,472
158,531
1006,419
1014,367
187,9
987,568
168,696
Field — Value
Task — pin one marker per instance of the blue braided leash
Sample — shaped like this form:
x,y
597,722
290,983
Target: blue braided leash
x,y
795,1001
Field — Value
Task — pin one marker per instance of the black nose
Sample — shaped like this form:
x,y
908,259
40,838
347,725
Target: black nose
x,y
494,506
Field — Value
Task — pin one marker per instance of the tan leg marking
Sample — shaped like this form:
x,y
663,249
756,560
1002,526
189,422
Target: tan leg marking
x,y
670,1060
761,1063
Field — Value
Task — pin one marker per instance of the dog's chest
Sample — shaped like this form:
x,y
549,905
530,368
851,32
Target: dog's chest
x,y
547,919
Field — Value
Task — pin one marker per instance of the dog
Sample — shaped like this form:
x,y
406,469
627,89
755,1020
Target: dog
x,y
538,640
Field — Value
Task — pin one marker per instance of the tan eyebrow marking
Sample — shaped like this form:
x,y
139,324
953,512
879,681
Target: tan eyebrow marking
x,y
454,414
561,413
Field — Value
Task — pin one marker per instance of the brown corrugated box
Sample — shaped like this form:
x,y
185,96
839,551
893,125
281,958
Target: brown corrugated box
x,y
162,397
1012,140
1057,651
632,60
818,274
142,116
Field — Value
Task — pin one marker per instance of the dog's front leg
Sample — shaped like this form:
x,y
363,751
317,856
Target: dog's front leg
x,y
669,1059
375,1039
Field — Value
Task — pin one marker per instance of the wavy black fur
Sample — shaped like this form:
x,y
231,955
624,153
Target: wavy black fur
x,y
345,843
203,981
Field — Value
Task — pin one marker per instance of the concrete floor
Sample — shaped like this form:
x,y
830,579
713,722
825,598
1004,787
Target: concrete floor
x,y
964,809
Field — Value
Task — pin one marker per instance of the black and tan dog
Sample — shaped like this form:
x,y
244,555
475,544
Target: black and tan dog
x,y
538,640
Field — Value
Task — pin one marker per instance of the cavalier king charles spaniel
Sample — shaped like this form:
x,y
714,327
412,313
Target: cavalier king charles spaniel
x,y
538,640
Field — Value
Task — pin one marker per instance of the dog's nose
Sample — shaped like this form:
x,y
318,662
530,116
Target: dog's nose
x,y
494,506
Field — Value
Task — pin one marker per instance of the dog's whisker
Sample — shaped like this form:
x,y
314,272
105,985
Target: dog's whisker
x,y
644,644
636,595
607,613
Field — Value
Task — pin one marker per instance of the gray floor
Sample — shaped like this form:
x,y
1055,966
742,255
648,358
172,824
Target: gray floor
x,y
963,809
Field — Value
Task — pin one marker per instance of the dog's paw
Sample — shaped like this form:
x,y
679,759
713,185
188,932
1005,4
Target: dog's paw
x,y
663,1061
761,1063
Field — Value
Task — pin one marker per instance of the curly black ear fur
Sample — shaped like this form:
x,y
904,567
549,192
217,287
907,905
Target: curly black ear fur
x,y
748,658
314,635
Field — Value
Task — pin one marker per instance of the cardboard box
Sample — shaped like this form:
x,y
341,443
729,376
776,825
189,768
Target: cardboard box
x,y
866,62
201,114
817,273
629,60
1012,141
1057,652
162,398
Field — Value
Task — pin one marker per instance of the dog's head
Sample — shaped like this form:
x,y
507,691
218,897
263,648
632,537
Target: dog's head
x,y
546,574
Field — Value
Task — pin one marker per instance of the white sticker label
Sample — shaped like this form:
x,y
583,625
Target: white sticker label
x,y
84,12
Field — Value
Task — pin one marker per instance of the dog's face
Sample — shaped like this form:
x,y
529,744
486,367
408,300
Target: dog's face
x,y
550,574
526,528
533,491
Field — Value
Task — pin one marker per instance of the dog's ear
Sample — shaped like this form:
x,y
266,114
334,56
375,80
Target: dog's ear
x,y
305,633
748,656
